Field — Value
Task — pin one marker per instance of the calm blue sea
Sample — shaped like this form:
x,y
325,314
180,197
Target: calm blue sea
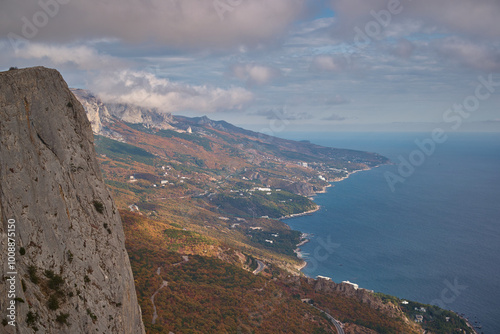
x,y
435,239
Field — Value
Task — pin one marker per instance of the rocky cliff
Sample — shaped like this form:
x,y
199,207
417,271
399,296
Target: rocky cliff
x,y
96,111
100,114
62,242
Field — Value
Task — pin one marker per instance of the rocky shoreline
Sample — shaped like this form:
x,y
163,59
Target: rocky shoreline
x,y
305,239
293,215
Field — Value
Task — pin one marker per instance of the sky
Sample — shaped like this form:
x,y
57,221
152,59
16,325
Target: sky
x,y
274,65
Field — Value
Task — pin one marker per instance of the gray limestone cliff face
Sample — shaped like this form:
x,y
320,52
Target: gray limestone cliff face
x,y
100,114
95,109
73,272
151,118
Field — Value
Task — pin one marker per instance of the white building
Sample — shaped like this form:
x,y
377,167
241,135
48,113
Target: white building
x,y
354,285
133,208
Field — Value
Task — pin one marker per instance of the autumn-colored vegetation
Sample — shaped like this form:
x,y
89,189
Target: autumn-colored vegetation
x,y
193,218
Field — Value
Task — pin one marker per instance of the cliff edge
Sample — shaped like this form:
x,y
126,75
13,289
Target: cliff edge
x,y
62,243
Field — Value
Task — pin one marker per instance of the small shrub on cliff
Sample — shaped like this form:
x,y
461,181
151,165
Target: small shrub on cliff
x,y
56,282
70,256
62,318
49,273
31,318
22,251
92,315
32,274
53,302
99,207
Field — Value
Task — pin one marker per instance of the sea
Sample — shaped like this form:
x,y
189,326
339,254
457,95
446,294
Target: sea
x,y
434,237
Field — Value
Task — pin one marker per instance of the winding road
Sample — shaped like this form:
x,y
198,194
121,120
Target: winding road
x,y
185,259
260,267
155,315
334,321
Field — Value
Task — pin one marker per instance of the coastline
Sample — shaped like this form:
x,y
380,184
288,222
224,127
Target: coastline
x,y
305,213
473,329
304,238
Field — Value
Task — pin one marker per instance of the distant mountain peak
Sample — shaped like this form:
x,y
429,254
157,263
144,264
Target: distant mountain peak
x,y
99,113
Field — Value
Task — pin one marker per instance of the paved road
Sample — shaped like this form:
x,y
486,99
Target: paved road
x,y
334,321
185,259
260,267
155,315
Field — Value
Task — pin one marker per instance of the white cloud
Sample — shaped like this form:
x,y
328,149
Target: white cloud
x,y
175,23
254,74
146,90
84,57
329,63
403,48
336,100
334,117
283,114
469,17
474,55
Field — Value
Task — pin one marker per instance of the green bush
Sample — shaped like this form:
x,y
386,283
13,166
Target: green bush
x,y
22,251
56,282
62,318
31,318
91,315
32,274
53,302
70,256
49,273
99,207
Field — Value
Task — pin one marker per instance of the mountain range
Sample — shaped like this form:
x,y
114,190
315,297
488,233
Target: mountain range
x,y
200,204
